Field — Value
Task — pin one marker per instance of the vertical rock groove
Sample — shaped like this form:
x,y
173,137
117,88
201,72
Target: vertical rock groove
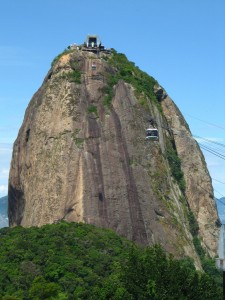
x,y
138,226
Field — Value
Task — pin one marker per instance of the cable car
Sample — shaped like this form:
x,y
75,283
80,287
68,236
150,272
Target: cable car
x,y
152,134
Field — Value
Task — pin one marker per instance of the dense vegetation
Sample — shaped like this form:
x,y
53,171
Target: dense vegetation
x,y
78,261
208,264
175,165
126,70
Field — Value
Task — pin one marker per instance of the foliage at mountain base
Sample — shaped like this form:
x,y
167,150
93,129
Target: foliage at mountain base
x,y
80,261
208,264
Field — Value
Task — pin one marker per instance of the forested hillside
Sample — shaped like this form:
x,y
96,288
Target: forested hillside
x,y
78,261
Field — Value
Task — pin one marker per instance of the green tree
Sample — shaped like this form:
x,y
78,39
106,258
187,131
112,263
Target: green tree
x,y
41,289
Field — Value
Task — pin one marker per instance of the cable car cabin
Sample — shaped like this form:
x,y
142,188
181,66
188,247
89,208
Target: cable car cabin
x,y
152,134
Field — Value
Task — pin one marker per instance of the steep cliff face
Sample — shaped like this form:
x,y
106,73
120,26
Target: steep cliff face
x,y
81,155
198,190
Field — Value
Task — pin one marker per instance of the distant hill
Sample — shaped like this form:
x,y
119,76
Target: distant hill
x,y
221,208
3,212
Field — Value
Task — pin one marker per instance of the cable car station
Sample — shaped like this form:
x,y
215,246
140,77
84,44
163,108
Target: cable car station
x,y
94,45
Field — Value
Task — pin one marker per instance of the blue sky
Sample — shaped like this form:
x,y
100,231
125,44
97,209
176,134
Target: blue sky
x,y
180,43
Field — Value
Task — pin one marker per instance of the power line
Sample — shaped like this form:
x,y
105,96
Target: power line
x,y
218,154
218,181
218,126
213,148
221,151
209,141
220,195
212,151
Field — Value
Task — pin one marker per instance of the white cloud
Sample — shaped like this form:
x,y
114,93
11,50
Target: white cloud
x,y
5,148
4,173
5,158
5,154
3,190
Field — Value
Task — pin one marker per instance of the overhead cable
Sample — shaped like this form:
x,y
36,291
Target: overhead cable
x,y
212,151
218,126
209,141
218,181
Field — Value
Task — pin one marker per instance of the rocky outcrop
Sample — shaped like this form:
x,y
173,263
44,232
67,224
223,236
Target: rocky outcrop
x,y
80,158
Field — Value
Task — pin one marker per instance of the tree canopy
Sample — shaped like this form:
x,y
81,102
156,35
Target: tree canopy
x,y
80,261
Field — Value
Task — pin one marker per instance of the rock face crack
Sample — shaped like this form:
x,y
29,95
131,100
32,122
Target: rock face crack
x,y
138,226
95,165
